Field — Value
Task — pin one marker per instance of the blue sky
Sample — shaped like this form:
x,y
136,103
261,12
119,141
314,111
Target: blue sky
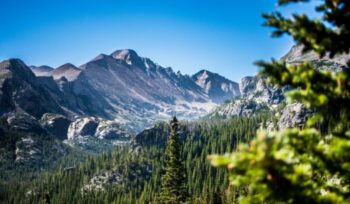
x,y
225,37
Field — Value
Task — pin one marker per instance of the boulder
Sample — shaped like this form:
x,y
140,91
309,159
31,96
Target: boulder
x,y
111,130
24,123
84,127
56,124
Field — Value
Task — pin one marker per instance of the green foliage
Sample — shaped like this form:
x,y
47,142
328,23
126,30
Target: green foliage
x,y
308,165
173,183
142,169
315,34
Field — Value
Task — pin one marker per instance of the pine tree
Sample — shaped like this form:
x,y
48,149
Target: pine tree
x,y
308,165
173,182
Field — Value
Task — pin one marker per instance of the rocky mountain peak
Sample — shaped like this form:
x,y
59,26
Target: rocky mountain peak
x,y
16,67
67,66
149,64
122,86
216,86
204,74
246,84
101,57
129,56
42,70
68,70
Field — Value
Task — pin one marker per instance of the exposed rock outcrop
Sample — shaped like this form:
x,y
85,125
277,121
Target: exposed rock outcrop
x,y
56,124
111,130
294,115
24,123
102,180
82,127
33,146
98,128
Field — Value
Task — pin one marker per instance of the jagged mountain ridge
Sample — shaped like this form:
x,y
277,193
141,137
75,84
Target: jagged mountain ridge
x,y
296,55
122,86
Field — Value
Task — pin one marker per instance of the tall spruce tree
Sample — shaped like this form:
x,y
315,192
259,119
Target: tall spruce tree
x,y
173,182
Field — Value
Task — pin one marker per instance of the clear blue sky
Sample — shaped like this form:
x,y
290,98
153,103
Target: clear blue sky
x,y
222,36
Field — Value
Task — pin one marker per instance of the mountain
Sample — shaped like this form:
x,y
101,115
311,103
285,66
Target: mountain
x,y
257,94
123,87
217,87
68,70
137,90
296,55
42,70
47,114
22,91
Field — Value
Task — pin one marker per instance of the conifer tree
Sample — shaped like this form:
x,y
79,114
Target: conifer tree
x,y
173,182
308,165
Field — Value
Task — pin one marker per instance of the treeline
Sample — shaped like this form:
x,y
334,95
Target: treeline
x,y
140,167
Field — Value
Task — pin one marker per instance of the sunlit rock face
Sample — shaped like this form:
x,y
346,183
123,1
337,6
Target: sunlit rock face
x,y
98,128
83,127
217,87
255,95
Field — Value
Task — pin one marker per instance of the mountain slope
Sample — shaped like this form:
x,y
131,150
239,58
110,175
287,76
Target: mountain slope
x,y
136,88
21,90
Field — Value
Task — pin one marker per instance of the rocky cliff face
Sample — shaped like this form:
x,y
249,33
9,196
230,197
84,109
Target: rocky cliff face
x,y
257,95
294,115
296,55
96,127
